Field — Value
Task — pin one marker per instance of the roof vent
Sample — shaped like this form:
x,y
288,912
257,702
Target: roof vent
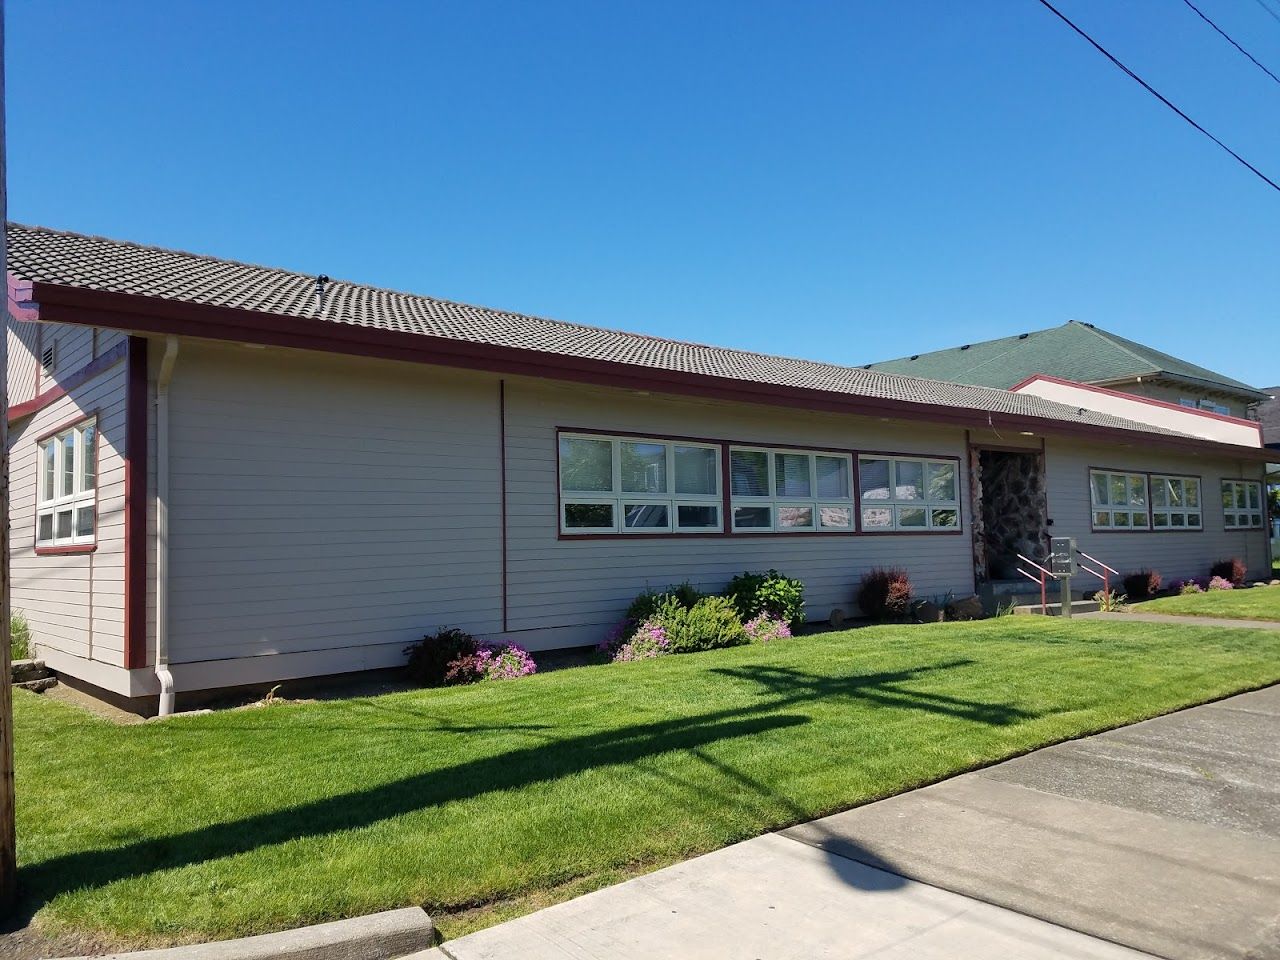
x,y
965,347
915,356
1023,336
320,284
49,357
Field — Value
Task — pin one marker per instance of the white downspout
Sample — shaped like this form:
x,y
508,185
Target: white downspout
x,y
162,525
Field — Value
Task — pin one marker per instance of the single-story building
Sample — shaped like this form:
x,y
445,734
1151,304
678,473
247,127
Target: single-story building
x,y
226,474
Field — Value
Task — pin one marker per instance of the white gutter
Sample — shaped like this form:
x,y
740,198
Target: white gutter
x,y
162,525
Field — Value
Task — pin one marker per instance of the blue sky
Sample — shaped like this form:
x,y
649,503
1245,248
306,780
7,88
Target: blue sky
x,y
846,181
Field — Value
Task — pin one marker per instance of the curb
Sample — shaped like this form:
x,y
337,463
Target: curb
x,y
378,936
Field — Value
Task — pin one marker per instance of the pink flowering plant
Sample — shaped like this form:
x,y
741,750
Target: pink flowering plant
x,y
1220,583
491,661
1190,585
765,629
649,641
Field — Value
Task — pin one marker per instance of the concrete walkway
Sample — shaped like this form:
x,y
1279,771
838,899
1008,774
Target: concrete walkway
x,y
1162,838
1134,614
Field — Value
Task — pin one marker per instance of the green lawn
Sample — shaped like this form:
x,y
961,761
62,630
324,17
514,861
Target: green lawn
x,y
1256,603
484,802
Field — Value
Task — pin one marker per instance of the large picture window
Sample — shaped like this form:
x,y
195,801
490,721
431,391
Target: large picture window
x,y
1242,505
1175,503
790,491
1119,500
66,486
908,494
632,485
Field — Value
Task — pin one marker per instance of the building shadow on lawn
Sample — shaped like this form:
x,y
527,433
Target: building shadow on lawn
x,y
545,761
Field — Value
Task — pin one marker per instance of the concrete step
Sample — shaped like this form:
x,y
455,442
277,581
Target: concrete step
x,y
1055,609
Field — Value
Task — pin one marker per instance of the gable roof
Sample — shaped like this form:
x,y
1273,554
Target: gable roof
x,y
1074,351
84,279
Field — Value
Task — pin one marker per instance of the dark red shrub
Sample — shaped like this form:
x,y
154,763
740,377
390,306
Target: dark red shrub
x,y
1142,585
885,594
1232,570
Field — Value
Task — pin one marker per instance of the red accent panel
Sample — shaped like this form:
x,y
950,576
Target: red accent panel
x,y
1130,396
135,508
73,548
20,298
70,382
502,479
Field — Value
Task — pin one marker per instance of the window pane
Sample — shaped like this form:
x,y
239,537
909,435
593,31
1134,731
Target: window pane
x,y
1255,497
1179,519
873,479
699,517
588,515
1140,519
1159,520
644,467
752,517
945,518
1228,498
1241,502
1229,520
791,474
1120,518
838,517
833,477
68,465
1193,519
1255,519
877,518
941,482
84,522
795,517
1159,491
1102,519
651,515
90,457
911,517
909,480
697,471
1138,491
1100,490
45,531
586,465
63,525
749,473
1175,492
1119,489
1193,493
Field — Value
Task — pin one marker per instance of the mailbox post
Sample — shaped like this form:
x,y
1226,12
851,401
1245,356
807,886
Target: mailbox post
x,y
1062,563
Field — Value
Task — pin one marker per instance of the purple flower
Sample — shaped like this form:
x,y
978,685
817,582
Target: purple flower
x,y
764,629
1220,583
648,641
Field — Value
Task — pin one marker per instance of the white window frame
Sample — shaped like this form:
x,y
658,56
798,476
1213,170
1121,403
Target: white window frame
x,y
1171,514
774,502
59,501
1116,510
895,504
1253,517
621,500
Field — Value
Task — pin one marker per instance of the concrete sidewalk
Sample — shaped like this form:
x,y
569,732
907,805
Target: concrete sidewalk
x,y
1162,838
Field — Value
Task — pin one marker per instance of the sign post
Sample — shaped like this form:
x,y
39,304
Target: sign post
x,y
1062,563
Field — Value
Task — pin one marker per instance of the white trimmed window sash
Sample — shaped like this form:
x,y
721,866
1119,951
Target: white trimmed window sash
x,y
1242,507
777,490
909,494
66,486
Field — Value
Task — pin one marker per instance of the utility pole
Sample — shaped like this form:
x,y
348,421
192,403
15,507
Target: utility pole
x,y
8,843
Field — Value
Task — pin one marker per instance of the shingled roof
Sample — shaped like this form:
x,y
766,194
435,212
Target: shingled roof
x,y
1075,351
85,263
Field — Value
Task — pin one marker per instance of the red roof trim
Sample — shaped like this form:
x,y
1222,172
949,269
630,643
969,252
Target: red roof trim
x,y
1226,418
124,311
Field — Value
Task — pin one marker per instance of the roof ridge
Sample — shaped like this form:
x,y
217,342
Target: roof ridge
x,y
1111,339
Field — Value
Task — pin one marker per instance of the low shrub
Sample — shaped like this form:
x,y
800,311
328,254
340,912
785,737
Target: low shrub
x,y
770,593
648,641
491,661
432,656
1233,570
649,602
1142,585
1184,587
1220,583
710,623
19,637
885,594
1111,602
763,628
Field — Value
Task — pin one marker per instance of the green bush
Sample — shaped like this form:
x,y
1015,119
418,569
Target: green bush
x,y
430,657
770,593
650,601
19,637
710,623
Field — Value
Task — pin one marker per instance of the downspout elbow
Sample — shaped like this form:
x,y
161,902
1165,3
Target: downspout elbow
x,y
168,695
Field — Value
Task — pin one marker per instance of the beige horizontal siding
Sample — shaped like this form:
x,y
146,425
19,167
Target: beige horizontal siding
x,y
73,603
1176,554
23,359
324,503
582,586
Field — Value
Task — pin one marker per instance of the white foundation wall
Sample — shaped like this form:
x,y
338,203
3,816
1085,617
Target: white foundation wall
x,y
325,512
1176,554
567,591
74,602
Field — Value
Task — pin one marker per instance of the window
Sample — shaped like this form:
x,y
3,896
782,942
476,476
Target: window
x,y
1175,503
629,485
66,498
1212,407
906,494
1119,500
1241,505
790,491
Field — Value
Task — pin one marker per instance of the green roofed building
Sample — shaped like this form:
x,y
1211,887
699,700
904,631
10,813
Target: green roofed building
x,y
1083,353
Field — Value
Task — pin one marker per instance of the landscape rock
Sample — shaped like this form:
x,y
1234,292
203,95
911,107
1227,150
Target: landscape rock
x,y
24,670
970,608
927,612
39,685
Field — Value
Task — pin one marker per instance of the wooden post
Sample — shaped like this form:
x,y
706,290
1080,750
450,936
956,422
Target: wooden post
x,y
8,845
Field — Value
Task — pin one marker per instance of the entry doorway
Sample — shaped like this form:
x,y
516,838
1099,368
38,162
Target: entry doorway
x,y
1011,511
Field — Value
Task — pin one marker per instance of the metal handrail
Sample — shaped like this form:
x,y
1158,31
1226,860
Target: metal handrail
x,y
1044,600
1098,562
1047,573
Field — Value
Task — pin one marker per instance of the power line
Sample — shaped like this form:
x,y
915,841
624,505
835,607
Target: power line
x,y
1263,5
1159,96
1230,41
